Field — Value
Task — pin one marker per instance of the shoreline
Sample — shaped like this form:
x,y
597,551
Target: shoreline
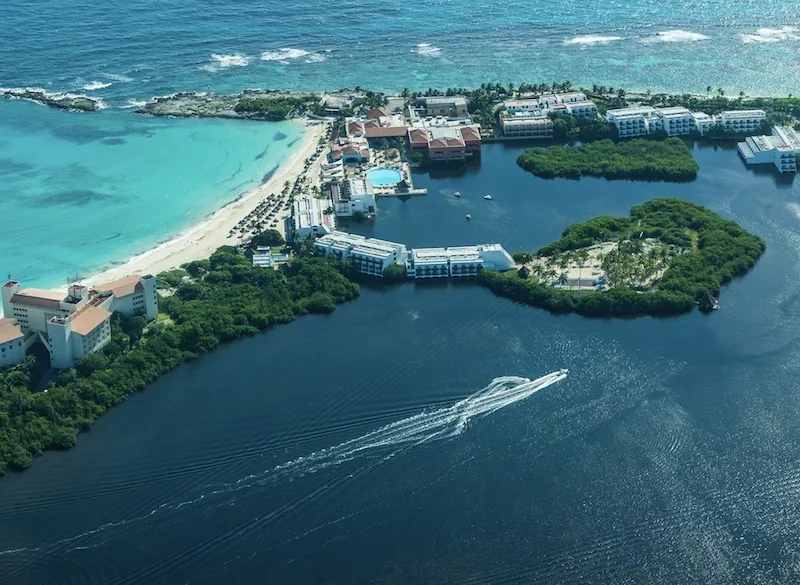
x,y
201,239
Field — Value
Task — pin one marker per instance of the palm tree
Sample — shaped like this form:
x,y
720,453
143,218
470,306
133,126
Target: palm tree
x,y
549,274
563,279
537,270
708,90
720,91
581,257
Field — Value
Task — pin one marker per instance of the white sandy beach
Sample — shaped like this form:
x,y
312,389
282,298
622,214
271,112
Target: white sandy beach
x,y
201,240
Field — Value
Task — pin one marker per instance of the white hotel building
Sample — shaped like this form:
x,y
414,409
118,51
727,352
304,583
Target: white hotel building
x,y
632,122
12,343
75,323
369,255
780,149
457,262
677,121
741,121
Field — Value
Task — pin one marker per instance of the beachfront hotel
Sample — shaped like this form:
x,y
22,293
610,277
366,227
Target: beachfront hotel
x,y
637,121
677,121
75,323
351,196
523,126
780,149
368,255
741,121
702,122
310,216
262,257
12,343
445,141
462,261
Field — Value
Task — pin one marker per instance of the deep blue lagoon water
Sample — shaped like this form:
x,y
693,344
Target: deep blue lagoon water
x,y
670,454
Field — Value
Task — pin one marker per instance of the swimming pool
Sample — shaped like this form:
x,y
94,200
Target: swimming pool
x,y
384,177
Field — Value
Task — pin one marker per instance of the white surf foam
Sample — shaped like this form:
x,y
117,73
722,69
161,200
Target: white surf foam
x,y
284,54
592,40
132,103
772,35
674,36
118,77
427,50
95,85
315,58
221,61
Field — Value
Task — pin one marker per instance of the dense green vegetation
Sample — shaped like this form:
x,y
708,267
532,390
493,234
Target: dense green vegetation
x,y
268,237
274,108
566,127
226,300
395,273
713,252
668,160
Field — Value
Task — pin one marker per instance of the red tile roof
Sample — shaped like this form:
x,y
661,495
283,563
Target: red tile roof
x,y
88,319
377,113
9,330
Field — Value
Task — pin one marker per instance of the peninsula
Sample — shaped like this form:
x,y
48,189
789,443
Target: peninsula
x,y
664,258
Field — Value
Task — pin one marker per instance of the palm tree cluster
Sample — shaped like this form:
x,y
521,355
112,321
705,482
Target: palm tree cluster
x,y
631,265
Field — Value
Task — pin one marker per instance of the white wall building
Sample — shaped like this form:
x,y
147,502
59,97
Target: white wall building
x,y
132,295
355,195
262,257
12,344
71,338
369,255
702,122
457,262
309,218
780,149
549,100
636,121
582,109
741,121
677,121
526,127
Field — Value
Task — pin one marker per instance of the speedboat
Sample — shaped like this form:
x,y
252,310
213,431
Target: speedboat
x,y
487,197
469,216
457,193
563,372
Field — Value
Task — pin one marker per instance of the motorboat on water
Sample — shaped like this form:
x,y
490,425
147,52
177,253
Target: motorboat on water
x,y
488,197
563,372
457,193
469,216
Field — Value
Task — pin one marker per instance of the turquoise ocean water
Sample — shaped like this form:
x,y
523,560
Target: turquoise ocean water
x,y
78,192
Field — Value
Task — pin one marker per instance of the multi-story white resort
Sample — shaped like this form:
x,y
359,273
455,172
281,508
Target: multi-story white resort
x,y
353,195
369,255
632,122
524,126
311,216
75,323
741,121
529,118
457,262
702,122
12,343
780,149
677,121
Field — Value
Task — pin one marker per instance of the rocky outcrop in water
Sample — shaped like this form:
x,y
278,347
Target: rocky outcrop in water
x,y
249,105
61,101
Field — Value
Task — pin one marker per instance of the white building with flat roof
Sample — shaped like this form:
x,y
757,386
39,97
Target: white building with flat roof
x,y
354,195
368,255
458,261
677,121
581,108
310,217
12,343
780,149
548,100
741,121
702,122
450,106
635,121
262,257
526,127
132,295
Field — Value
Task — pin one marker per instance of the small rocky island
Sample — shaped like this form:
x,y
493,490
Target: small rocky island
x,y
667,257
60,101
251,104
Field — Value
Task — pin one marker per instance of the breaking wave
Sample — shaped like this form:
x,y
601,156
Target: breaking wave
x,y
592,40
427,50
221,61
674,36
284,54
772,35
95,85
118,77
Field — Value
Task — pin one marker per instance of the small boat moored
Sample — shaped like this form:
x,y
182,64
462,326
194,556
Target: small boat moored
x,y
469,216
488,197
457,193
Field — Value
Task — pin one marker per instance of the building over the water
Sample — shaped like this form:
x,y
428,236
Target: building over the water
x,y
75,323
780,149
12,343
457,262
368,255
310,217
741,121
451,106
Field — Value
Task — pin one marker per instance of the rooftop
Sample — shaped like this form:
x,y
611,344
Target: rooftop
x,y
9,330
633,111
120,288
88,319
743,114
674,112
307,213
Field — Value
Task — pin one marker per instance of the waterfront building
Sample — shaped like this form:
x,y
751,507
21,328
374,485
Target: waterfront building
x,y
548,100
635,121
354,195
780,149
531,106
453,106
441,140
526,127
677,121
457,262
12,344
581,108
71,338
702,122
377,128
350,153
132,295
368,255
262,257
310,216
741,121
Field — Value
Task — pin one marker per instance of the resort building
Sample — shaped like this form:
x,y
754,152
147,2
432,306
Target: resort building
x,y
457,262
12,343
368,255
581,109
445,140
384,126
354,195
636,121
262,257
780,149
311,216
677,121
448,106
741,121
350,153
514,126
548,100
702,122
75,323
530,106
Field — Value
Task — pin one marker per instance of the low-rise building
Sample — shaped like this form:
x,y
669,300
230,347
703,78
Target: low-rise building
x,y
71,338
12,344
635,121
350,153
351,196
311,216
442,141
262,257
702,122
531,106
457,262
132,295
582,109
677,121
548,100
526,127
741,121
451,106
368,255
780,149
